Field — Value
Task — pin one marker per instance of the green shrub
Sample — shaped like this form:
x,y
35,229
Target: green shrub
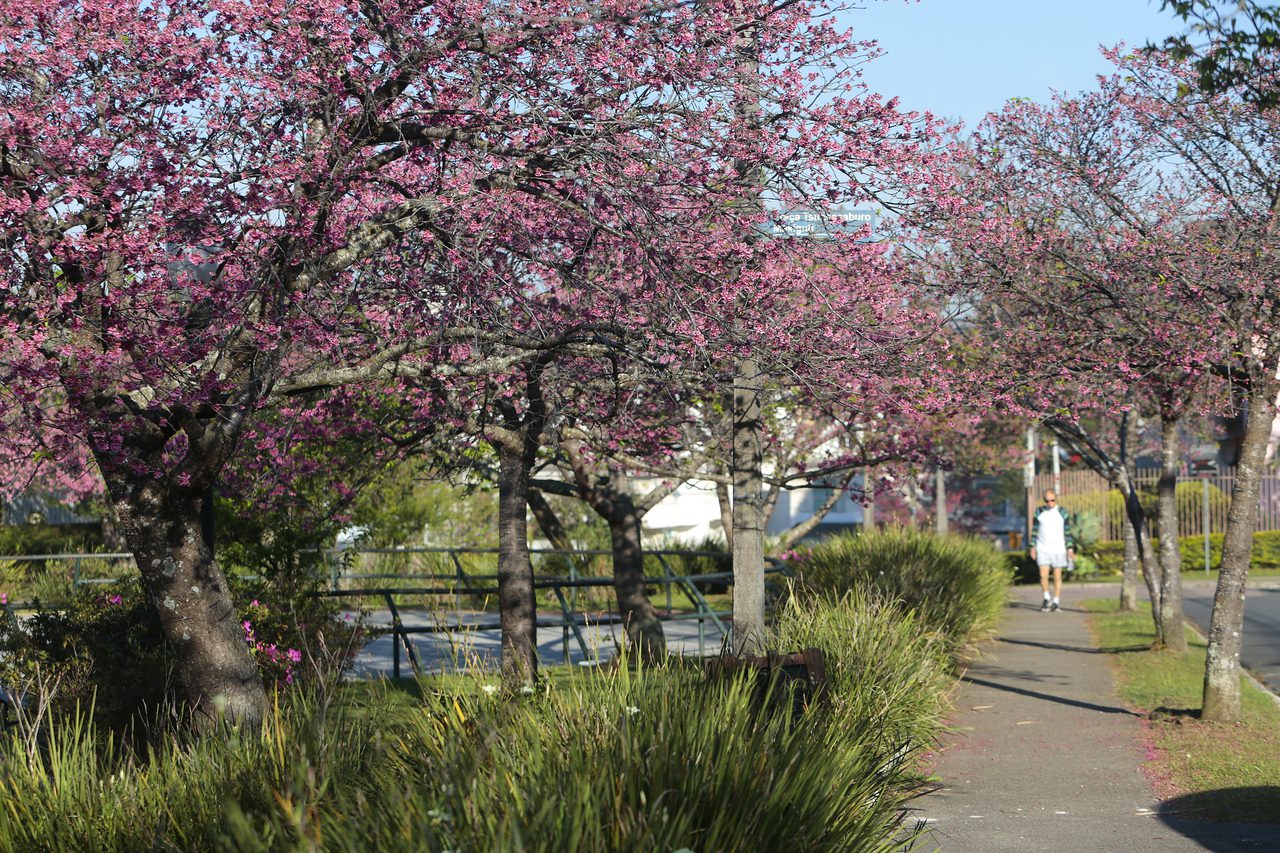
x,y
50,538
1266,552
1086,525
620,759
713,559
104,646
885,663
957,584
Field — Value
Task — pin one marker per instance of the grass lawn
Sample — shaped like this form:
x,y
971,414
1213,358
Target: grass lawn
x,y
1210,770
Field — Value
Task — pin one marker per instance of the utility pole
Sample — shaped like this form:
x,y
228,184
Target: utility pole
x,y
1057,469
869,495
1029,481
940,501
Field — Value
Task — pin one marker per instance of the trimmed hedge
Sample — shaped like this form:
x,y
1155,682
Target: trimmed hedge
x,y
1109,556
1266,552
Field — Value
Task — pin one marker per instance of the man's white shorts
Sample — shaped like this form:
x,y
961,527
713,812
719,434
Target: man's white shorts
x,y
1051,559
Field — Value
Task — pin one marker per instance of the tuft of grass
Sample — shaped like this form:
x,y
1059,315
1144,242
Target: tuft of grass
x,y
957,584
1208,770
644,758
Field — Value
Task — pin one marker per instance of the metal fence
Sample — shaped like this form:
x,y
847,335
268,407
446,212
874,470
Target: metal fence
x,y
407,578
1203,501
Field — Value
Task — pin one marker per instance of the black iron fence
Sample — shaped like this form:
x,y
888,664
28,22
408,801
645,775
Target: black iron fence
x,y
344,581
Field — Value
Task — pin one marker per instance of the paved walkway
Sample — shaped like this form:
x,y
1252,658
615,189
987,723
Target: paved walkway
x,y
448,650
1044,757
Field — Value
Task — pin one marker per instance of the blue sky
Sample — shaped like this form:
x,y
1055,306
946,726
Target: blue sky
x,y
964,58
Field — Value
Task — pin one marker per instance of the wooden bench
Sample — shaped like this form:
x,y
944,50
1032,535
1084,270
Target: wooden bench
x,y
802,674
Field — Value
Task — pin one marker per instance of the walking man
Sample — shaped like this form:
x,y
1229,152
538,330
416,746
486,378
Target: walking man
x,y
1052,547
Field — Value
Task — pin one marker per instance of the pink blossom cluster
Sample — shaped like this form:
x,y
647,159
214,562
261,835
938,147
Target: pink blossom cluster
x,y
270,652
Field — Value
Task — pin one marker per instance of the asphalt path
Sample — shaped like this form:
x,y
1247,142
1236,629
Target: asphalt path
x,y
1260,642
455,643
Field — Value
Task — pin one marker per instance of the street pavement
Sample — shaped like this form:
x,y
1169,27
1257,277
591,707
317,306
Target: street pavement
x,y
1260,641
1042,755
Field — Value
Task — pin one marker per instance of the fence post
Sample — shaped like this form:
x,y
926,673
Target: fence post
x,y
1205,522
461,582
662,561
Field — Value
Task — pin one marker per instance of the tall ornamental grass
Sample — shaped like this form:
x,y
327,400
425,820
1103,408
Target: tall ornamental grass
x,y
956,584
651,759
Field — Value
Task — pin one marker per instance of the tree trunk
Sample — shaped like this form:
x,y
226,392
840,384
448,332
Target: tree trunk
x,y
726,514
551,526
1171,618
645,636
748,510
940,502
167,529
748,380
1132,559
1146,555
1222,661
1137,517
516,601
1129,576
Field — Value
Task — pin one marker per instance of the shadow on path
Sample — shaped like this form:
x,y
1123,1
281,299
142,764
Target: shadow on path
x,y
1024,605
1185,815
1004,673
1081,649
1035,694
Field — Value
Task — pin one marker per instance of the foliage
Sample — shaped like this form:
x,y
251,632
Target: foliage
x,y
402,507
104,648
50,538
1088,530
619,759
1241,38
713,558
1266,552
957,583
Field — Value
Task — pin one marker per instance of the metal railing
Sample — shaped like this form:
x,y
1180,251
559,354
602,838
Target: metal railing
x,y
460,583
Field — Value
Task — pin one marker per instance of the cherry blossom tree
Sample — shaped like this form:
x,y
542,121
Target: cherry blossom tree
x,y
1148,209
210,207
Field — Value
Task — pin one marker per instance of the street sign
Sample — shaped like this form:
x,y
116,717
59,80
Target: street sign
x,y
819,224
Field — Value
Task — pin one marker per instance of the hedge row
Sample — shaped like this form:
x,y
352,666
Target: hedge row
x,y
1108,557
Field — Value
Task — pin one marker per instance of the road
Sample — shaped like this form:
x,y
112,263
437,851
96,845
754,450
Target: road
x,y
1260,650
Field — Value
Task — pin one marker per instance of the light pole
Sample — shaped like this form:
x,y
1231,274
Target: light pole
x,y
1029,481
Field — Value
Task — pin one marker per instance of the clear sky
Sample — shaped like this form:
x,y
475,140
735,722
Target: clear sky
x,y
964,58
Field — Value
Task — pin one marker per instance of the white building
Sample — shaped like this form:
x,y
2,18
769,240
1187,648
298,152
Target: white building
x,y
692,513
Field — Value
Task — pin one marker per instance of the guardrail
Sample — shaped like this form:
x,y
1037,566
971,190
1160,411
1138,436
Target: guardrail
x,y
460,583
